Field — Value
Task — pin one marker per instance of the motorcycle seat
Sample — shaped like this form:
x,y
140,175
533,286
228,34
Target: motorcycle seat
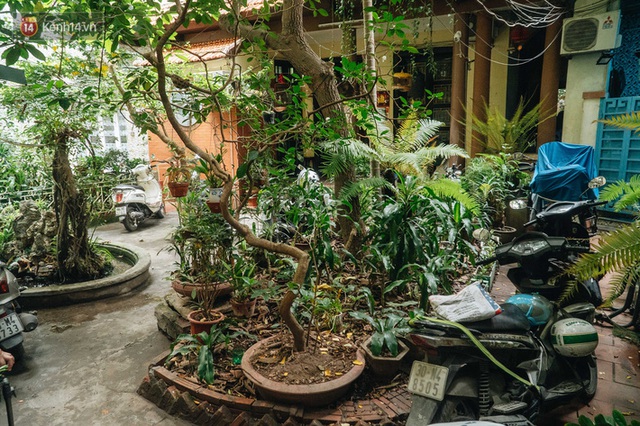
x,y
130,186
510,319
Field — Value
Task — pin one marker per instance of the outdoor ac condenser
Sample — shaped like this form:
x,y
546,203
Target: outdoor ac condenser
x,y
590,33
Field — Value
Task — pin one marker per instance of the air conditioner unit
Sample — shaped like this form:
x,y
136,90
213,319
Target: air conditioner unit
x,y
590,33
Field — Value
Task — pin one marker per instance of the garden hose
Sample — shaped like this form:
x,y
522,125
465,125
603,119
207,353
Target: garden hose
x,y
484,350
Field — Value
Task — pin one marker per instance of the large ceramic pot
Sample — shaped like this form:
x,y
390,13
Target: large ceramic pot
x,y
505,234
313,395
186,289
178,189
384,367
199,324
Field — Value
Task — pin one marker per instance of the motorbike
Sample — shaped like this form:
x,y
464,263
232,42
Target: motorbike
x,y
533,356
13,322
136,203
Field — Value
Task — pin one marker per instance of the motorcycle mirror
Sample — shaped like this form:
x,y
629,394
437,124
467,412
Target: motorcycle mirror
x,y
518,204
597,182
482,234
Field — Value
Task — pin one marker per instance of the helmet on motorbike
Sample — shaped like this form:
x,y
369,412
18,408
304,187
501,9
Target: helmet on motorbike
x,y
574,337
537,308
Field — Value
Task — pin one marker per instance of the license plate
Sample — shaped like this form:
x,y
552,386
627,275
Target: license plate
x,y
9,326
428,380
121,211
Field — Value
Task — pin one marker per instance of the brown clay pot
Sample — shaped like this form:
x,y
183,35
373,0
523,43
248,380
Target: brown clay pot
x,y
313,395
384,367
186,289
199,324
214,206
243,308
178,189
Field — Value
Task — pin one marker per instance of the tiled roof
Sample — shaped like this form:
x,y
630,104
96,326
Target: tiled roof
x,y
205,51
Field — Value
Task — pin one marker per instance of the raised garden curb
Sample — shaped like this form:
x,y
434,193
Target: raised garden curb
x,y
67,294
193,402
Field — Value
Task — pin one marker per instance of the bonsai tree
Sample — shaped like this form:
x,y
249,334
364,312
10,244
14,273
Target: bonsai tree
x,y
60,113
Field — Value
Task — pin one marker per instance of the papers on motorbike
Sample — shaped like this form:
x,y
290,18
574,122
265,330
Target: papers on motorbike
x,y
473,303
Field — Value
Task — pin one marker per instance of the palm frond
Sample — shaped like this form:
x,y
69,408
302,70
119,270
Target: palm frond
x,y
357,188
414,133
617,251
627,194
624,121
341,154
451,189
442,151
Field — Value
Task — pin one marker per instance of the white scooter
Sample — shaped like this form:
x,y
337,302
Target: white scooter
x,y
12,321
135,203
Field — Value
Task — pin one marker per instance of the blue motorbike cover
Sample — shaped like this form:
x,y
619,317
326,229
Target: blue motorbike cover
x,y
563,172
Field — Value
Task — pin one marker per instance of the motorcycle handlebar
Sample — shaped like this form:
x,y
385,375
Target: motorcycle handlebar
x,y
486,261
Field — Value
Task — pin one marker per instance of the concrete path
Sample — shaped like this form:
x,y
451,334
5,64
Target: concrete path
x,y
84,362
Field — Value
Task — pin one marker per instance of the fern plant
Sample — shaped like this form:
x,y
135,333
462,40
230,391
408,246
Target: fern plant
x,y
618,251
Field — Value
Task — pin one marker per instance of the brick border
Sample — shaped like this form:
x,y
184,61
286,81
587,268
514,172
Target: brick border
x,y
193,402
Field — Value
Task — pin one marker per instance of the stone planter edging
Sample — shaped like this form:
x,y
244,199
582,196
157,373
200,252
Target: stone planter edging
x,y
387,409
67,294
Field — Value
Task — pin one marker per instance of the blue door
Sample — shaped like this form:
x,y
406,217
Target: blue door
x,y
617,150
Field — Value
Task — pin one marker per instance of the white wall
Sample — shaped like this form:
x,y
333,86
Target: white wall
x,y
583,76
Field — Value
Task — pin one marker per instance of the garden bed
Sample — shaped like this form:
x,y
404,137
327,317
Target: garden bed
x,y
190,400
66,294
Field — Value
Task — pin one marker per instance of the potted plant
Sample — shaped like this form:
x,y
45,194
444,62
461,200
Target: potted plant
x,y
204,316
383,351
198,350
244,283
213,182
178,175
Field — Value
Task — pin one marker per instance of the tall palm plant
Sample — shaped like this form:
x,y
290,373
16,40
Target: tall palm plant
x,y
618,251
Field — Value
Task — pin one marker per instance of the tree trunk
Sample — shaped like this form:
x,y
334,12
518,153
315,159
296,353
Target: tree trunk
x,y
76,261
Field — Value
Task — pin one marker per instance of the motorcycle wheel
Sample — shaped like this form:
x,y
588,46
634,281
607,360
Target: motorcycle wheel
x,y
161,213
129,223
455,409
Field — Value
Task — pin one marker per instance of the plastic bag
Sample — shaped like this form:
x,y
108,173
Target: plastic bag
x,y
473,303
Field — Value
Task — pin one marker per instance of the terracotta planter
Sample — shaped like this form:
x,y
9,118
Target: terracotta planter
x,y
214,206
244,308
199,324
314,395
252,202
186,289
384,367
178,189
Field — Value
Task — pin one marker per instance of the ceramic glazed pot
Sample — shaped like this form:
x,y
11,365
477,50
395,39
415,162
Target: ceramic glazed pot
x,y
505,234
314,395
384,367
199,324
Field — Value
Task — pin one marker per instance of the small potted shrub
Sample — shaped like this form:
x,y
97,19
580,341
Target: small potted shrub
x,y
244,284
198,350
383,351
178,176
213,182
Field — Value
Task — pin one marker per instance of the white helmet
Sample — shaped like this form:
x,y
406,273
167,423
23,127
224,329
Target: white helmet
x,y
574,337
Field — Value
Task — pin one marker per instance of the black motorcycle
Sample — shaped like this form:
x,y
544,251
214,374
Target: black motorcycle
x,y
535,355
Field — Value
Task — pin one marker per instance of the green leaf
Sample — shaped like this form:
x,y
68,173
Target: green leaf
x,y
12,55
601,420
242,170
391,341
64,103
618,418
377,341
585,421
35,52
206,371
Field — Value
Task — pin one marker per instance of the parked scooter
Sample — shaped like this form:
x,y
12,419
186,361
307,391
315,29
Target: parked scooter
x,y
135,203
574,220
530,358
13,322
